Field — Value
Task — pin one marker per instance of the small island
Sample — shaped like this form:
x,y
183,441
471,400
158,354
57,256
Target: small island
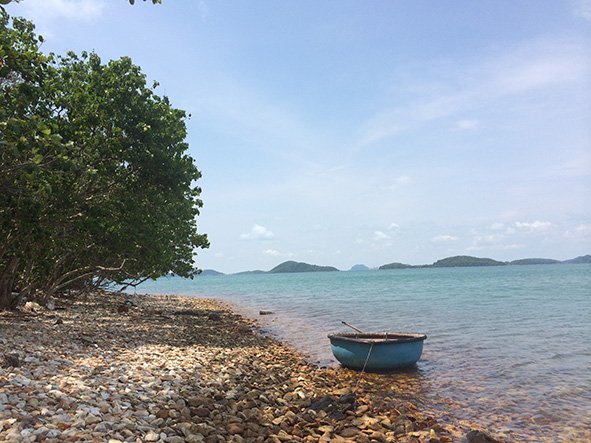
x,y
292,266
579,260
466,260
534,261
359,268
396,265
210,272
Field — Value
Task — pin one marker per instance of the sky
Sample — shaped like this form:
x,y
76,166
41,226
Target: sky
x,y
366,132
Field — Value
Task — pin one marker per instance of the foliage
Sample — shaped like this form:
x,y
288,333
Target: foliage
x,y
396,266
292,266
534,261
95,182
579,260
466,260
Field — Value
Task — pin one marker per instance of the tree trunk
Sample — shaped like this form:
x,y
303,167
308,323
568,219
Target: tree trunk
x,y
8,298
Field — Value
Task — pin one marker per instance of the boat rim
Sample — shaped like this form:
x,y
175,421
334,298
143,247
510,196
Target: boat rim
x,y
378,337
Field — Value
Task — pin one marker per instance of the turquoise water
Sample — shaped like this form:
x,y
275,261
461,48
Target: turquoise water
x,y
508,347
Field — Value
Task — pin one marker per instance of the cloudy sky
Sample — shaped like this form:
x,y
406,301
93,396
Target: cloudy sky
x,y
344,132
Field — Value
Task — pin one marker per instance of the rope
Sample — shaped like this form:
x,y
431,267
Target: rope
x,y
364,366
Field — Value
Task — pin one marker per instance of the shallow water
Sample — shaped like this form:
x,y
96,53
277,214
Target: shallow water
x,y
508,347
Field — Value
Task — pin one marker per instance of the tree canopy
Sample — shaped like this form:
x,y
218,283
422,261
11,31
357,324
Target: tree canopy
x,y
95,181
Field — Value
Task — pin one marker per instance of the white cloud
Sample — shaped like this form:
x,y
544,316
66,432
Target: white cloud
x,y
536,226
465,125
43,11
258,232
380,236
496,247
530,67
582,8
396,182
579,232
444,238
394,227
539,73
275,253
203,10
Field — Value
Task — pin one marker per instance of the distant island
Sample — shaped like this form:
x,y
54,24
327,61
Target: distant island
x,y
257,271
292,266
206,272
468,261
448,262
534,261
578,260
464,261
396,266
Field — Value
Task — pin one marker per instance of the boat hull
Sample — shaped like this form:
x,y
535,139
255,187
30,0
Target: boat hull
x,y
377,352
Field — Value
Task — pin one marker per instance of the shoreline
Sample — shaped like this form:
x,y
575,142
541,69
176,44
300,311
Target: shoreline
x,y
121,367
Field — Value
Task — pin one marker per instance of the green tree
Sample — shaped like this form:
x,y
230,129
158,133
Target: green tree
x,y
97,185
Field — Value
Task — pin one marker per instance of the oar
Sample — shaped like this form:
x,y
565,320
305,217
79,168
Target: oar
x,y
352,327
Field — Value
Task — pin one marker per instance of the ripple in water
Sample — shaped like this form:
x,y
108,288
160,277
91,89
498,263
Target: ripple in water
x,y
508,347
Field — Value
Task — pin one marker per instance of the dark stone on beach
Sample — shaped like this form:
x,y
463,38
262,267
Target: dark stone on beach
x,y
214,316
59,321
121,309
11,360
265,312
326,403
335,408
475,436
348,399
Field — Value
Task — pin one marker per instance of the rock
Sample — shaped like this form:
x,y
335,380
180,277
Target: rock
x,y
235,428
349,432
262,312
151,436
151,375
476,436
379,436
10,360
32,306
348,398
325,403
201,412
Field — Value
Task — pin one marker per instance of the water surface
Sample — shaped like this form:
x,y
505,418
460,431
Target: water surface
x,y
508,347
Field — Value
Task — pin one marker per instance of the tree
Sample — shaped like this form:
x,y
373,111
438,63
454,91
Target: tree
x,y
97,182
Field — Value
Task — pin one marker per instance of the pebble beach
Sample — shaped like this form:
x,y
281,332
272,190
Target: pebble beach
x,y
108,367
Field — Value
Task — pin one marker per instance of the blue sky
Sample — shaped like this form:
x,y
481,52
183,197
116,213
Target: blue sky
x,y
344,132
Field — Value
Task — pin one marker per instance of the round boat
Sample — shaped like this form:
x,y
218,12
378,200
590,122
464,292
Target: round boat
x,y
377,352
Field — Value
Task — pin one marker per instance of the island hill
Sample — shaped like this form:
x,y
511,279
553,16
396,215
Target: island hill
x,y
449,262
468,261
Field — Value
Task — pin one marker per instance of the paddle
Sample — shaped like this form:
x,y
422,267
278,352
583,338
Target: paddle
x,y
352,327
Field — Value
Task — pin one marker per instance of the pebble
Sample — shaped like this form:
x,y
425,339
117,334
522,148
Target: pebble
x,y
178,369
151,436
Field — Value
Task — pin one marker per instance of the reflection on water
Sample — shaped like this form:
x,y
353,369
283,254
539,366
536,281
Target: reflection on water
x,y
507,348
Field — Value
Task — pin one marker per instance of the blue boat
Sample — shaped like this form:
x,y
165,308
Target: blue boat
x,y
377,352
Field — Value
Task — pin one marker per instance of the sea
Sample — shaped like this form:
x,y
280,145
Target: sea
x,y
508,347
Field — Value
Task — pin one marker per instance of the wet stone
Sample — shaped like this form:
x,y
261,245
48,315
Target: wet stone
x,y
151,374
